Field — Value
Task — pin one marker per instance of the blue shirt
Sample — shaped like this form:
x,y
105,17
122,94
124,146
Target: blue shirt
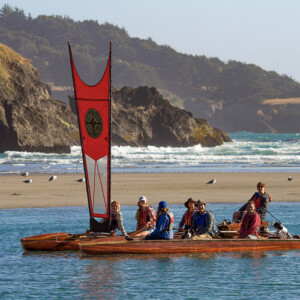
x,y
159,232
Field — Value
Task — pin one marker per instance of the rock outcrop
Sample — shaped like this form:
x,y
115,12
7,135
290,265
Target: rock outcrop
x,y
30,120
142,117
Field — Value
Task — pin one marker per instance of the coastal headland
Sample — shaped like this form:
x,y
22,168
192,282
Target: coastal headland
x,y
174,188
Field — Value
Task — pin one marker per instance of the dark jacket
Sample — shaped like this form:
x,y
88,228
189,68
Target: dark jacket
x,y
264,201
208,223
162,230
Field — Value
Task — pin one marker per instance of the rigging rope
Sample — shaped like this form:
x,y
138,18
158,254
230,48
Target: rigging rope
x,y
68,197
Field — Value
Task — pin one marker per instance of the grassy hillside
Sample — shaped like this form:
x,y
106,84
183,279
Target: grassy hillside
x,y
197,83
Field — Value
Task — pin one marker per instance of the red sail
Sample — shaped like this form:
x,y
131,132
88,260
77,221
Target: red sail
x,y
93,109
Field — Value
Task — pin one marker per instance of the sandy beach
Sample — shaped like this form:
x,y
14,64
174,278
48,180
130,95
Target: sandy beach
x,y
126,188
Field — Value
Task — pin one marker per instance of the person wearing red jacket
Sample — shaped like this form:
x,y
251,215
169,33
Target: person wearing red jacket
x,y
145,217
250,223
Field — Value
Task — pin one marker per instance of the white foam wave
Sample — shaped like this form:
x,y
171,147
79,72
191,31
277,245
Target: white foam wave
x,y
247,150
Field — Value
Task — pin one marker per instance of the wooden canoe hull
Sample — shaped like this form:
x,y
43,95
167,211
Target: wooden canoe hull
x,y
187,246
58,241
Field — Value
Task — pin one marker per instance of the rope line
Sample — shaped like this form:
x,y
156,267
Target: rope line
x,y
67,201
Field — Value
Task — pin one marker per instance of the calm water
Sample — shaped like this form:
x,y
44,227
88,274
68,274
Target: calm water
x,y
270,275
249,152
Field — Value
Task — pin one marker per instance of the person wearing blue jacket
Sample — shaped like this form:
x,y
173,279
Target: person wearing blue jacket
x,y
164,224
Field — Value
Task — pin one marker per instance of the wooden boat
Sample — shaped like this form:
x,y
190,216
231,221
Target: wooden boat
x,y
60,241
94,120
225,241
112,246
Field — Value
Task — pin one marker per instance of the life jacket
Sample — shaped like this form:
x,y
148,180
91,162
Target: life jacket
x,y
171,216
257,200
188,218
144,216
171,223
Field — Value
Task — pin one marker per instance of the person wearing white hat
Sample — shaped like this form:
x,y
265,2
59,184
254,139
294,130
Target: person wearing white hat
x,y
145,217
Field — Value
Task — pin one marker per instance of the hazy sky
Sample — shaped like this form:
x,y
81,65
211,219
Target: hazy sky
x,y
263,32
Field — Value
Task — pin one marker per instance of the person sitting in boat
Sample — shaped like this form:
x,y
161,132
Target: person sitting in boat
x,y
186,220
203,222
250,223
261,200
117,218
164,224
145,217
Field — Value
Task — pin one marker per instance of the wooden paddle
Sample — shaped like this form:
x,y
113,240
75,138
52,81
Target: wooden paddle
x,y
136,232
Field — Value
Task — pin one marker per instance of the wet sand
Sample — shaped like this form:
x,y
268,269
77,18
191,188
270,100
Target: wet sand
x,y
126,188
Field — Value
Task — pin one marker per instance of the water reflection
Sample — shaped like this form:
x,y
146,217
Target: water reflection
x,y
51,255
145,257
100,280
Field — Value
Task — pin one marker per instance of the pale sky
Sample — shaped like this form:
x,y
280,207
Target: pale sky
x,y
263,32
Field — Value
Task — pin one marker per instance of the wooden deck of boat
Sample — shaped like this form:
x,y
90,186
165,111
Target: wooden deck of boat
x,y
186,246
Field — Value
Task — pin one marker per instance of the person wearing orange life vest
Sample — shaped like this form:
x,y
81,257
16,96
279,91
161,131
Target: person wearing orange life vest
x,y
186,220
145,217
164,224
261,200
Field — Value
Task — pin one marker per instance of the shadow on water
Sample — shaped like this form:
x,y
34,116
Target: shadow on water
x,y
51,255
162,257
146,257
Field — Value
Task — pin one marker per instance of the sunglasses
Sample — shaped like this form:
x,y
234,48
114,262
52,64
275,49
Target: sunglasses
x,y
260,187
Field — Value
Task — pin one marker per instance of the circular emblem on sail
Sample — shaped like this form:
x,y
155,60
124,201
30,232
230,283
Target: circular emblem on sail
x,y
93,123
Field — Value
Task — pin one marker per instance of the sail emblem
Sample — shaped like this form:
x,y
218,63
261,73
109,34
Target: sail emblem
x,y
93,123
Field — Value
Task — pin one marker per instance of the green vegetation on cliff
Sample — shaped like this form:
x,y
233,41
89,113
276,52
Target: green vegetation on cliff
x,y
136,62
220,92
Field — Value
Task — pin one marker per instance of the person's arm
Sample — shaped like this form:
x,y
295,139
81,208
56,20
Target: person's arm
x,y
182,222
243,208
120,224
193,222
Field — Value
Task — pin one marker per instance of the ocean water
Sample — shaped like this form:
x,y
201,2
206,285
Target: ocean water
x,y
67,275
249,152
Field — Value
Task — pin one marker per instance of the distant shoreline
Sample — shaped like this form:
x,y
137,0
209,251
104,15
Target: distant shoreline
x,y
174,188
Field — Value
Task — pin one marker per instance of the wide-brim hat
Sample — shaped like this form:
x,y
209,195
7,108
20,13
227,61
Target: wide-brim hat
x,y
200,202
186,204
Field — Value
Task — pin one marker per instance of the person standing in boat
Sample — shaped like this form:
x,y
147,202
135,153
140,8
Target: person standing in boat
x,y
186,219
117,218
261,200
203,222
250,223
164,224
145,217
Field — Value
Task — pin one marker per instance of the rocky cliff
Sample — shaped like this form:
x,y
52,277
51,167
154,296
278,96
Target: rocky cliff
x,y
30,120
142,117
